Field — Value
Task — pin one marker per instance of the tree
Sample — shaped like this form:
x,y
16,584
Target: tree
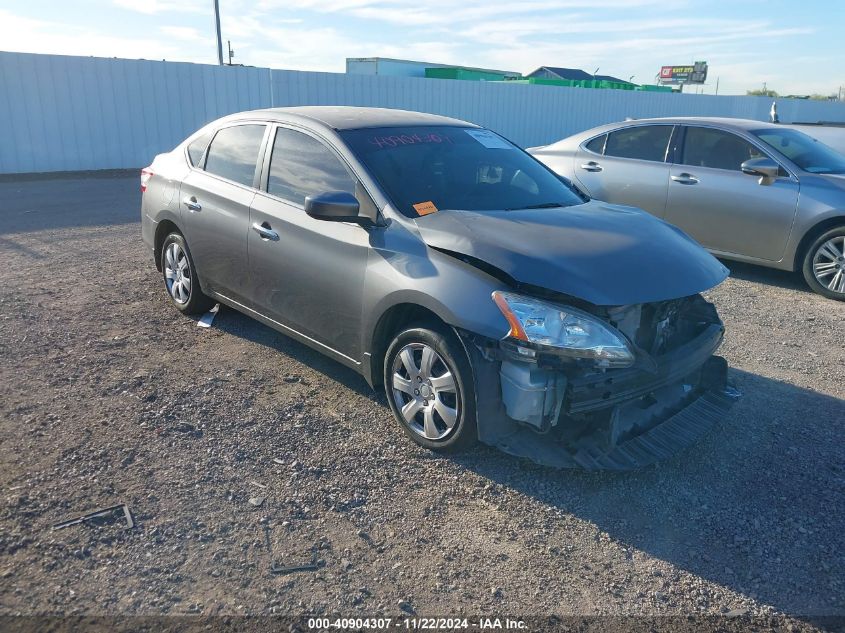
x,y
761,92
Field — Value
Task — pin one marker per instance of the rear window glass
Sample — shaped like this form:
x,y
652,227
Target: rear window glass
x,y
645,142
197,148
234,153
597,144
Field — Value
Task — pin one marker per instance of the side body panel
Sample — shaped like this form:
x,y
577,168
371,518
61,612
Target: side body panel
x,y
637,183
217,232
729,212
312,277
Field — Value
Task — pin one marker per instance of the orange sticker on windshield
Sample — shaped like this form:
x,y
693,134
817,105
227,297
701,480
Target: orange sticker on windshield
x,y
424,208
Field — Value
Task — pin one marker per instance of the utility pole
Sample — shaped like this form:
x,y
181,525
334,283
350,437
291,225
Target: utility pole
x,y
231,52
219,39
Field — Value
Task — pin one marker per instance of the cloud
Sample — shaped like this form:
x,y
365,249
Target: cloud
x,y
622,37
28,35
153,7
183,33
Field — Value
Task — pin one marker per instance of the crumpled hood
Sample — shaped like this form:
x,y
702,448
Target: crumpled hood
x,y
601,253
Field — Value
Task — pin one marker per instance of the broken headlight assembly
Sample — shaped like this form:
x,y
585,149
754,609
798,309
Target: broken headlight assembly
x,y
537,325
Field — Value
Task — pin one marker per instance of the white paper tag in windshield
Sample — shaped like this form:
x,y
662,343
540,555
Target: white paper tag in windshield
x,y
488,139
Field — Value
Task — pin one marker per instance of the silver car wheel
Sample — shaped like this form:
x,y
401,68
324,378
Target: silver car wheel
x,y
425,391
829,264
177,273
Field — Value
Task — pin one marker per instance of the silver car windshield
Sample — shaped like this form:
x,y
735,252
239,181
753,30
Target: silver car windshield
x,y
805,151
428,168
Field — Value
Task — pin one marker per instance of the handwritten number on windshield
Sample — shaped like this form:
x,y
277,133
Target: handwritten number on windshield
x,y
399,140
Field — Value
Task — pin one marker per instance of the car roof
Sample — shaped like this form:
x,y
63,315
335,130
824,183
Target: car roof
x,y
352,117
725,122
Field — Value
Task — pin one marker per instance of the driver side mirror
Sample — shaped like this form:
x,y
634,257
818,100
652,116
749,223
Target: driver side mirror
x,y
764,167
335,206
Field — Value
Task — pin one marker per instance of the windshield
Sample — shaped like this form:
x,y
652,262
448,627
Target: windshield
x,y
805,151
427,168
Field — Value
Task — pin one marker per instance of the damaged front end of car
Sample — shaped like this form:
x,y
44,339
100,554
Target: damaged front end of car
x,y
608,363
610,388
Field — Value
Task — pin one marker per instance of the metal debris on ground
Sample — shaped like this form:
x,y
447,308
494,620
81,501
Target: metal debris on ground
x,y
207,318
281,569
130,522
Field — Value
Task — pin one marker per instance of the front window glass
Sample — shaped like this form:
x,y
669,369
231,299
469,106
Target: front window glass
x,y
302,166
427,168
708,147
644,142
234,153
805,151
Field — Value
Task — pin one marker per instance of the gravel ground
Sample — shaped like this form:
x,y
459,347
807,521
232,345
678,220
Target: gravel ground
x,y
237,448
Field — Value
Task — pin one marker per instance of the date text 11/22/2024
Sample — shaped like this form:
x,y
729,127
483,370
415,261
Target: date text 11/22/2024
x,y
422,624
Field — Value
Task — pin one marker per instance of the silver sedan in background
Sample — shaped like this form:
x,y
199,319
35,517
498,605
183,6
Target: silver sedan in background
x,y
756,192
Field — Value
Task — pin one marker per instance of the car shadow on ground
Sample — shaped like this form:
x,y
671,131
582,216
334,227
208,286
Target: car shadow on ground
x,y
247,328
756,506
768,276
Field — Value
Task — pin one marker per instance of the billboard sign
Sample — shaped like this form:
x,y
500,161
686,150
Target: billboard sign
x,y
694,74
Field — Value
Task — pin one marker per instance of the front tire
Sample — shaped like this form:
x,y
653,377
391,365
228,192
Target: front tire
x,y
824,264
180,276
429,386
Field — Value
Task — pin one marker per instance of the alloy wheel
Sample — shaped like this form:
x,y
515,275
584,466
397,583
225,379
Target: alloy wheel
x,y
829,264
177,273
425,391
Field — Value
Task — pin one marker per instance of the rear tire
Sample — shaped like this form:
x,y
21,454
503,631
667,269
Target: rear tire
x,y
824,264
429,385
180,276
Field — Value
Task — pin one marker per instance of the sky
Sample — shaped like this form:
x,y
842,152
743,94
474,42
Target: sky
x,y
792,47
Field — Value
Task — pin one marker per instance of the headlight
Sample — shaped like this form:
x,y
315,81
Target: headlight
x,y
567,331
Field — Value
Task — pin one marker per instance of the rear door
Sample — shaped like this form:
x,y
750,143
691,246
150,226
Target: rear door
x,y
628,166
721,207
216,196
309,275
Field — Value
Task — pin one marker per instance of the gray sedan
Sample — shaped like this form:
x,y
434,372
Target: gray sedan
x,y
756,192
487,297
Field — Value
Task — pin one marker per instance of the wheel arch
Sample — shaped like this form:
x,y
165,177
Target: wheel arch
x,y
391,321
811,234
164,228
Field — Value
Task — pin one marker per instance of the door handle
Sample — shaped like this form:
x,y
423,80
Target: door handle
x,y
591,166
265,231
191,203
685,179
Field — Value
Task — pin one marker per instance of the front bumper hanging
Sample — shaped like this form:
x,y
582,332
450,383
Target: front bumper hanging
x,y
617,420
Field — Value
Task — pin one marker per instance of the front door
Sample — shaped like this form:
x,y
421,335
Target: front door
x,y
216,198
631,170
724,209
307,274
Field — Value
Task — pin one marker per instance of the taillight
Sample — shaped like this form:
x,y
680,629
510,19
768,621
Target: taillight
x,y
146,174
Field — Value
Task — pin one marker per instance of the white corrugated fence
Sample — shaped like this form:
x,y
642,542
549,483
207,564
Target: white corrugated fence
x,y
60,113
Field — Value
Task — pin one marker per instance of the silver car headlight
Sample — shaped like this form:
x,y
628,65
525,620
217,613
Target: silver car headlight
x,y
567,331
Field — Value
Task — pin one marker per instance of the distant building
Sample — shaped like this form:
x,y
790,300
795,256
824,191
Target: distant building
x,y
408,68
574,74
